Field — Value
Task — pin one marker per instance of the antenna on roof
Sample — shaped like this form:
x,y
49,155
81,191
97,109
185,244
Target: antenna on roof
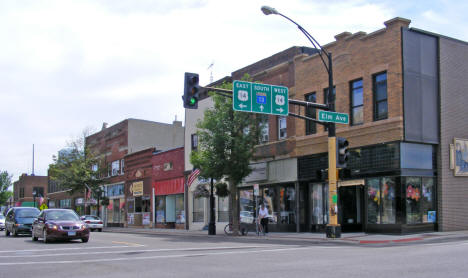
x,y
210,67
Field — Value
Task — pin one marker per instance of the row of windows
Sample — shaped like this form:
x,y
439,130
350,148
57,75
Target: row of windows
x,y
380,105
379,82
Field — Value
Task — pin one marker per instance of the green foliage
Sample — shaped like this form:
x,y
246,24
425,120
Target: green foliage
x,y
5,183
73,169
226,141
222,189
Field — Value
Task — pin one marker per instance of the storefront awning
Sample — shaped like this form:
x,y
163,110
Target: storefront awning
x,y
166,187
29,204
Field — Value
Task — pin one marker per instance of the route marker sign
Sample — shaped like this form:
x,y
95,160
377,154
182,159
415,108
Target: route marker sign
x,y
334,117
260,98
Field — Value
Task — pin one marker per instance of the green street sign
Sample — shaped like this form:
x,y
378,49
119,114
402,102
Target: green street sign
x,y
260,98
242,99
334,117
279,97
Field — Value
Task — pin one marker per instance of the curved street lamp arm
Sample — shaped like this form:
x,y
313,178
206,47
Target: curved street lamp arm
x,y
312,40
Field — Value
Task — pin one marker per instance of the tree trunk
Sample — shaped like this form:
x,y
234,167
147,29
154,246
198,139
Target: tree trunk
x,y
234,208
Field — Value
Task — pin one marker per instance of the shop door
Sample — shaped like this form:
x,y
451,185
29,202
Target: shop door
x,y
350,213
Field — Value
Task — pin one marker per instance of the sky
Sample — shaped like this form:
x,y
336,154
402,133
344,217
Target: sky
x,y
68,66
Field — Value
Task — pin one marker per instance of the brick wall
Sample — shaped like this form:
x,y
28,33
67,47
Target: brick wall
x,y
452,190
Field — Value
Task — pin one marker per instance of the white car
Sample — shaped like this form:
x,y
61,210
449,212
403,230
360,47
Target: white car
x,y
93,222
2,222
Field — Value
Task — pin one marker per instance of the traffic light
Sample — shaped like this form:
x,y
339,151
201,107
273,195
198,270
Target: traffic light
x,y
342,152
191,90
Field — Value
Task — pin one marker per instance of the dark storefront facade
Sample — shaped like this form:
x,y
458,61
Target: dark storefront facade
x,y
387,188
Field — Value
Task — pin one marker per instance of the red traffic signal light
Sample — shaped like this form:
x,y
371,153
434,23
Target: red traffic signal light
x,y
191,90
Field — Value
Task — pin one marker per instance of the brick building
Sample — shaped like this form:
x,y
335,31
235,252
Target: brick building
x,y
403,89
26,187
114,143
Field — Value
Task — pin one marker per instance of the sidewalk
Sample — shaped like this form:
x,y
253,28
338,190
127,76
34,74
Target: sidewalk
x,y
346,238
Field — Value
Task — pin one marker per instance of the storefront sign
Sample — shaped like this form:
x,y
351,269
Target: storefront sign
x,y
145,197
256,189
259,172
79,201
146,218
137,188
351,183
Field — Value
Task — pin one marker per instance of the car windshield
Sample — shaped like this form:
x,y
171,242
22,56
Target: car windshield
x,y
27,213
62,215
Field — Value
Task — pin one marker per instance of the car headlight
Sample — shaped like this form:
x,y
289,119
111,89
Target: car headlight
x,y
52,226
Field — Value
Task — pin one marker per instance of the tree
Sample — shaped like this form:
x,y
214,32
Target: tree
x,y
76,168
226,146
5,183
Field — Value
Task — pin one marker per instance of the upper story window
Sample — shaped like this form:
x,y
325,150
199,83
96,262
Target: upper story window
x,y
325,100
94,168
115,168
21,193
194,142
122,166
380,96
264,129
357,102
282,134
39,191
311,112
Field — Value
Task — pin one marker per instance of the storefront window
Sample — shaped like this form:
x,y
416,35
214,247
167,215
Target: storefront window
x,y
223,209
373,201
317,204
413,200
388,201
116,208
145,204
115,190
110,211
246,201
180,212
198,209
160,205
287,205
270,199
137,204
130,205
428,205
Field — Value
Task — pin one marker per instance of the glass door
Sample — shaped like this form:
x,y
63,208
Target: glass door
x,y
350,208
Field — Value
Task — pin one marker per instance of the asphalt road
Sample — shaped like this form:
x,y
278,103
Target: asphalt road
x,y
129,255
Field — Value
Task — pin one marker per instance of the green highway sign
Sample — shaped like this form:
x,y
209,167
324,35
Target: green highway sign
x,y
334,117
260,98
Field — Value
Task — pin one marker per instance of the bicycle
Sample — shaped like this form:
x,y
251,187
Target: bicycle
x,y
259,227
229,229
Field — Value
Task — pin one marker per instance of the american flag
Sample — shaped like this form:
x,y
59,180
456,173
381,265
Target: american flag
x,y
191,178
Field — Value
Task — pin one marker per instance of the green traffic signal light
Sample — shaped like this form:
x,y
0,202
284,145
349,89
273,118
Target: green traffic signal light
x,y
193,101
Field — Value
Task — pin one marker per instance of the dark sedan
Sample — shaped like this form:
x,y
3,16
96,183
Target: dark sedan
x,y
59,224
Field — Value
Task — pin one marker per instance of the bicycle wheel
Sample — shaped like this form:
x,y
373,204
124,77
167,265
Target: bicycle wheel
x,y
228,229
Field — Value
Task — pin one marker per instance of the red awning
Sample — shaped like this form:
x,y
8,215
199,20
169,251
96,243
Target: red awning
x,y
166,187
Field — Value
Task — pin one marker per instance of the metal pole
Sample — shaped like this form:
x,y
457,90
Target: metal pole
x,y
333,229
212,224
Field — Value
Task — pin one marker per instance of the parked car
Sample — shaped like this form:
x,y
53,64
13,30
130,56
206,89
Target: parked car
x,y
59,224
246,217
19,220
93,222
2,222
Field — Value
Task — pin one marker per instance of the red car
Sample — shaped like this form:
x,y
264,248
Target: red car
x,y
59,224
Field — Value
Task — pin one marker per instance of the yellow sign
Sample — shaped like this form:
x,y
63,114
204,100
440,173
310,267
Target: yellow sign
x,y
137,188
43,207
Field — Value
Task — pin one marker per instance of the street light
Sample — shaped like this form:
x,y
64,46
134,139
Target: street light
x,y
333,229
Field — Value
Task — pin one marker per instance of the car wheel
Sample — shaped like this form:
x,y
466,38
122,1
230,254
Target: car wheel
x,y
44,236
34,238
7,233
85,239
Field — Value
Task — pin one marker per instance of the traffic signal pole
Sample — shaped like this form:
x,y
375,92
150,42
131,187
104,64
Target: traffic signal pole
x,y
333,229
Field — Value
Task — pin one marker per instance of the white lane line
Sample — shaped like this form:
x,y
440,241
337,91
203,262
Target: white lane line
x,y
71,248
127,251
156,257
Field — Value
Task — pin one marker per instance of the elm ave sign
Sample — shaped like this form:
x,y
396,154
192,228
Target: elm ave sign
x,y
260,98
334,117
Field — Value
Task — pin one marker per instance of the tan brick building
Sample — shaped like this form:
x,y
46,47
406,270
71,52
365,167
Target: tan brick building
x,y
403,89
